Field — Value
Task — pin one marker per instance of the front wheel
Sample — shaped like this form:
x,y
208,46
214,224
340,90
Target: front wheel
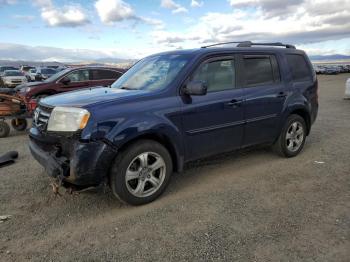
x,y
141,173
292,138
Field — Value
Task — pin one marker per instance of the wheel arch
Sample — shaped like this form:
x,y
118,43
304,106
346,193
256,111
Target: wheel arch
x,y
305,115
163,140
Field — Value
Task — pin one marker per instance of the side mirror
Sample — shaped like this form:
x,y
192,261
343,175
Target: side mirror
x,y
65,80
196,88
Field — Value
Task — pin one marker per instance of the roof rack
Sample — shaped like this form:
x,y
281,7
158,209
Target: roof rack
x,y
225,43
250,44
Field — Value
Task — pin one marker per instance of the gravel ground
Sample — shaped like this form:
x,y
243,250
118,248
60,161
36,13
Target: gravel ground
x,y
245,206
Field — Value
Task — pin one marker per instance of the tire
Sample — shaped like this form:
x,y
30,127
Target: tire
x,y
19,124
4,129
292,138
132,179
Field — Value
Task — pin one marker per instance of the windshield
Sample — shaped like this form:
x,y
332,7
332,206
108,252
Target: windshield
x,y
13,73
4,68
57,75
152,73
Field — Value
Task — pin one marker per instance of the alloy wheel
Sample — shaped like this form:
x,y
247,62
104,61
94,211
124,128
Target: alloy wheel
x,y
295,136
145,174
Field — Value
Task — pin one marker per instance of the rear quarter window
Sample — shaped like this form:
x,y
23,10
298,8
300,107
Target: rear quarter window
x,y
299,68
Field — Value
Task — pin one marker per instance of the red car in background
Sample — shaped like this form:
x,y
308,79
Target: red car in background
x,y
68,80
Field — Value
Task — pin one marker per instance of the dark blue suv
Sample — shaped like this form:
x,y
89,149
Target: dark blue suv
x,y
172,108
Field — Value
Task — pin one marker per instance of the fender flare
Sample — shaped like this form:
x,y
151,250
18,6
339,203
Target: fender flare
x,y
162,132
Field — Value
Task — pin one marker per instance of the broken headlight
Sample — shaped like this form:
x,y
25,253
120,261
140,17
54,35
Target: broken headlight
x,y
68,119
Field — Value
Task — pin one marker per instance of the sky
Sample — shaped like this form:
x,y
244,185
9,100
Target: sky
x,y
68,31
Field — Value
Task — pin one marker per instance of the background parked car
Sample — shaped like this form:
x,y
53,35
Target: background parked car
x,y
70,79
13,78
31,74
25,68
330,70
4,68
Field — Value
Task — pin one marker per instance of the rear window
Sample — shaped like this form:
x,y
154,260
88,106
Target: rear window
x,y
99,74
48,71
260,70
4,68
13,73
299,68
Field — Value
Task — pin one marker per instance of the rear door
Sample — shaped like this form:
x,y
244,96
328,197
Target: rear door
x,y
264,97
213,123
103,77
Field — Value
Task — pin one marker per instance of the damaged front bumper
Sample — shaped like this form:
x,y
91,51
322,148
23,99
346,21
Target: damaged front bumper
x,y
83,163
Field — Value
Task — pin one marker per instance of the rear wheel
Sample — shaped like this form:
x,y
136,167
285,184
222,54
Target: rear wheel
x,y
4,129
19,124
141,173
292,138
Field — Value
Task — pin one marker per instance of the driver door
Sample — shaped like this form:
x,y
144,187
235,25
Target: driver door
x,y
213,123
78,79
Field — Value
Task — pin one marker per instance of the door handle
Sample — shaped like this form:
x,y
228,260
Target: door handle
x,y
281,94
234,103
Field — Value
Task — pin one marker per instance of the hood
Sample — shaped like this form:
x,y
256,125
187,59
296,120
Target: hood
x,y
30,84
13,77
89,96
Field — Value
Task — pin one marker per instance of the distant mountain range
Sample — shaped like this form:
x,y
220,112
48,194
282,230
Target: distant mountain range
x,y
329,57
101,61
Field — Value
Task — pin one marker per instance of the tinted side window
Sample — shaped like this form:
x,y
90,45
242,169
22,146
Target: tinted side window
x,y
99,74
218,75
258,70
299,68
79,76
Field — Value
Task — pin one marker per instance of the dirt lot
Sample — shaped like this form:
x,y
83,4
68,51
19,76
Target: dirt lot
x,y
246,206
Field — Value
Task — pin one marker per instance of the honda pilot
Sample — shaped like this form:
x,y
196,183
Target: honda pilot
x,y
172,108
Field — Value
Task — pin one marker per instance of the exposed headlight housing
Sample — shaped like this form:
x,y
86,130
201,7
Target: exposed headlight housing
x,y
68,119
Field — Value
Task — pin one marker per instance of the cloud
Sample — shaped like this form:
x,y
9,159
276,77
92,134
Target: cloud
x,y
175,7
7,2
44,53
170,38
25,18
113,11
308,23
66,16
196,3
269,8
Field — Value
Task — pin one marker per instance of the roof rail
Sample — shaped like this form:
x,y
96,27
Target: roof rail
x,y
250,44
226,43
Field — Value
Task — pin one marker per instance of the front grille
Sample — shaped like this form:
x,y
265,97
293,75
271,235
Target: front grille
x,y
41,117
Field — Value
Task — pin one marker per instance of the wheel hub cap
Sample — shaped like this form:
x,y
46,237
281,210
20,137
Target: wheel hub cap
x,y
295,136
145,174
